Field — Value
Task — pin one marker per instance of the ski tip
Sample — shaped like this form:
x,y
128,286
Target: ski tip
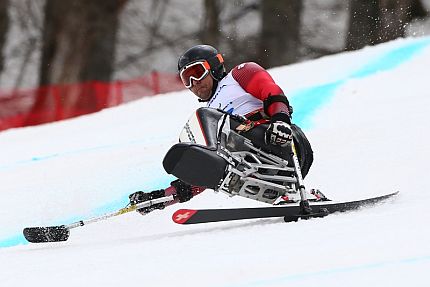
x,y
46,234
182,216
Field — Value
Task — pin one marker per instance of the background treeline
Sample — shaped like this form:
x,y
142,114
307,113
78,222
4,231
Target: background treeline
x,y
56,41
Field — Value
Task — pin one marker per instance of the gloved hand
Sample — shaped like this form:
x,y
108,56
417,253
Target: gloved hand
x,y
136,197
279,133
140,196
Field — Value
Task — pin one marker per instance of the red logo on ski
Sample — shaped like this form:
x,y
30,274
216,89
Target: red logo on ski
x,y
183,215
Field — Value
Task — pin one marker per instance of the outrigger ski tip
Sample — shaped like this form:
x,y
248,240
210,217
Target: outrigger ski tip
x,y
46,234
290,213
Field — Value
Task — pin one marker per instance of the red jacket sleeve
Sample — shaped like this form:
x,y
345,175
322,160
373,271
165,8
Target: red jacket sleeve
x,y
256,81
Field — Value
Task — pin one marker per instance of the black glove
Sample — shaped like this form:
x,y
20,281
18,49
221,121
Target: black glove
x,y
140,196
279,133
136,197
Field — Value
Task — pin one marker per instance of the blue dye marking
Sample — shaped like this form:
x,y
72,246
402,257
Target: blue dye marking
x,y
13,241
308,100
391,59
37,159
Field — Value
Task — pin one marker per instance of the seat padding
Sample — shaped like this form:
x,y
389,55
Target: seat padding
x,y
195,164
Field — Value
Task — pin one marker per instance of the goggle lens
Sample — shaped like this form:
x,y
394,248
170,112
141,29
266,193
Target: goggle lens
x,y
196,71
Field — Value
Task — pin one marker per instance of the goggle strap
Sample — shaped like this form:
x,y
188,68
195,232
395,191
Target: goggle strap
x,y
206,65
220,58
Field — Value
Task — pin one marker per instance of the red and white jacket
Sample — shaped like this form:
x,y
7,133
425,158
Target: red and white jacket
x,y
249,88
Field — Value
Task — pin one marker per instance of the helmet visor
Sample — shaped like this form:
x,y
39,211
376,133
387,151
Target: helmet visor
x,y
196,71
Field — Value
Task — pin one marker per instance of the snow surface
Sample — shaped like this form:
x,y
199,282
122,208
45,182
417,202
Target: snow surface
x,y
366,114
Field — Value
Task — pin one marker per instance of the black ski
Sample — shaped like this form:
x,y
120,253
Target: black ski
x,y
290,212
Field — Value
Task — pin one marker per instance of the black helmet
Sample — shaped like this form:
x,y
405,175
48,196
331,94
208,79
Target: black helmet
x,y
204,52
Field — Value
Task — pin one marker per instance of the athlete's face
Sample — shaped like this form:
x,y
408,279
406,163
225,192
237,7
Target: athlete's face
x,y
203,88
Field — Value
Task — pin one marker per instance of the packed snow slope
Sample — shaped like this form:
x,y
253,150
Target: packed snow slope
x,y
366,114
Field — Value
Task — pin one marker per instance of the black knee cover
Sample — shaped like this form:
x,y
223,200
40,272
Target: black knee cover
x,y
183,190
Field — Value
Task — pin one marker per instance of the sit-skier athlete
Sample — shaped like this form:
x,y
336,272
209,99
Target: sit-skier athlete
x,y
248,91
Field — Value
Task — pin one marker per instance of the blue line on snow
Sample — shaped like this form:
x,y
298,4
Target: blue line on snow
x,y
392,59
308,100
305,101
37,159
13,241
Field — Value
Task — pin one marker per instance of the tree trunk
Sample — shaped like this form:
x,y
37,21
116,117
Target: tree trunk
x,y
78,45
280,32
211,31
79,40
4,28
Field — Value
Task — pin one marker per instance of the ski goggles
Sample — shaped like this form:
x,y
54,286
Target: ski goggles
x,y
196,71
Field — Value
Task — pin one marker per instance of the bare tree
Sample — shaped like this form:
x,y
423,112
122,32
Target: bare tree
x,y
143,36
78,45
170,28
211,33
280,33
4,27
79,40
28,18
